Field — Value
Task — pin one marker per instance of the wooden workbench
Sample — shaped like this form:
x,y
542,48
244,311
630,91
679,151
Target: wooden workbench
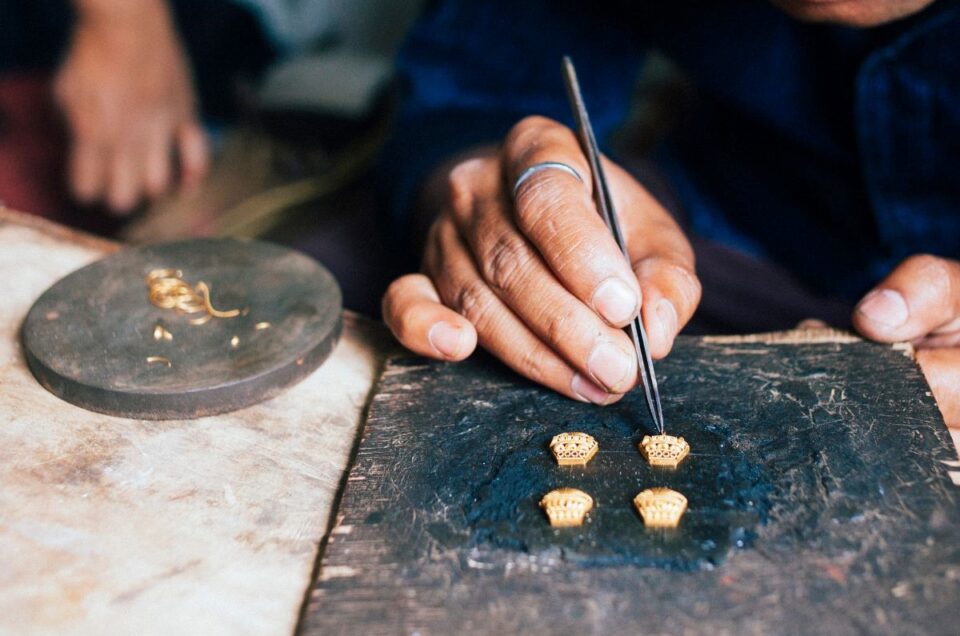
x,y
208,526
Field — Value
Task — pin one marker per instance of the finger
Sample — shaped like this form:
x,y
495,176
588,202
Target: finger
x,y
194,153
86,171
157,159
124,180
499,330
413,312
517,274
671,293
942,370
555,211
662,260
919,298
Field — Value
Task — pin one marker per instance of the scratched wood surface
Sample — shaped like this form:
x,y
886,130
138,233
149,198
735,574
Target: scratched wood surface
x,y
111,525
824,498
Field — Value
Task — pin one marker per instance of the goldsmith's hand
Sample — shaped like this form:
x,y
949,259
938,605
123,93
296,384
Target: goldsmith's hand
x,y
539,280
126,93
920,302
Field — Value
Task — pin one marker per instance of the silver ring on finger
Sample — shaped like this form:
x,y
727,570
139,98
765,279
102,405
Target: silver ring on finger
x,y
539,167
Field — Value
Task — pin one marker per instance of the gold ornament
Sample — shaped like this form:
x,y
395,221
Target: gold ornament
x,y
573,449
566,507
664,450
660,507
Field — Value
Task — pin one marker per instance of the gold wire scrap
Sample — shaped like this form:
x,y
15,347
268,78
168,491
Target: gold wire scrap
x,y
260,326
161,333
159,360
167,272
203,289
235,342
168,290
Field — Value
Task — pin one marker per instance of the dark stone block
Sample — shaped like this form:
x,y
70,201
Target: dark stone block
x,y
819,501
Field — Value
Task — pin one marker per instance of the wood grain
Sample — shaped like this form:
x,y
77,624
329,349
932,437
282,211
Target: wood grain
x,y
209,526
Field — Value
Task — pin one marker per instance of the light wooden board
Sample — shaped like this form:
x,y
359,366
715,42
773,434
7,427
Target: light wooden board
x,y
119,526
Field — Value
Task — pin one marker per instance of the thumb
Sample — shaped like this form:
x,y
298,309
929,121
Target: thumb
x,y
413,312
921,297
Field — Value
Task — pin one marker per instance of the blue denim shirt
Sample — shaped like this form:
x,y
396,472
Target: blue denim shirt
x,y
832,151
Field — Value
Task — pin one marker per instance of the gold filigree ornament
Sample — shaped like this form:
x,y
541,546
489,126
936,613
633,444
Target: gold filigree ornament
x,y
566,507
660,507
573,449
664,450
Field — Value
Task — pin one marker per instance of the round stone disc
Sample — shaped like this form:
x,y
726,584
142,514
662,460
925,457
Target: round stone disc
x,y
93,338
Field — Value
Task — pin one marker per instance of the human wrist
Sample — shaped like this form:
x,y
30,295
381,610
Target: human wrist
x,y
116,15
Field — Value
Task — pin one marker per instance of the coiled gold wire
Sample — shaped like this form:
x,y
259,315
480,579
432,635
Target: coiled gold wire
x,y
168,290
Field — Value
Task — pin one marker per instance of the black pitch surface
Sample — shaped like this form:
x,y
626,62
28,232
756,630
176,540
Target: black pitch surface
x,y
819,503
501,506
88,337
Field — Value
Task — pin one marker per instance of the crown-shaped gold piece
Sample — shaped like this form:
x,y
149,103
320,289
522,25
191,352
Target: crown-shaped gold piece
x,y
664,450
566,507
573,449
660,507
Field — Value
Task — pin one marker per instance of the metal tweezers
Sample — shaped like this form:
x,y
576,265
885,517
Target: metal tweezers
x,y
605,207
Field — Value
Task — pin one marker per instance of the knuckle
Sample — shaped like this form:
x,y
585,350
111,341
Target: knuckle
x,y
689,284
574,251
934,272
921,260
392,300
474,301
526,131
429,256
507,262
436,252
680,278
460,184
155,183
401,328
560,326
534,363
84,129
538,197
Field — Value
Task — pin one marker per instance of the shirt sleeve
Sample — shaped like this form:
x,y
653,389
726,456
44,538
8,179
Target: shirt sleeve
x,y
472,69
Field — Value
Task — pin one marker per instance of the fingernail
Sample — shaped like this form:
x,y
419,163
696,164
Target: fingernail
x,y
445,338
667,316
615,301
885,307
609,365
587,390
